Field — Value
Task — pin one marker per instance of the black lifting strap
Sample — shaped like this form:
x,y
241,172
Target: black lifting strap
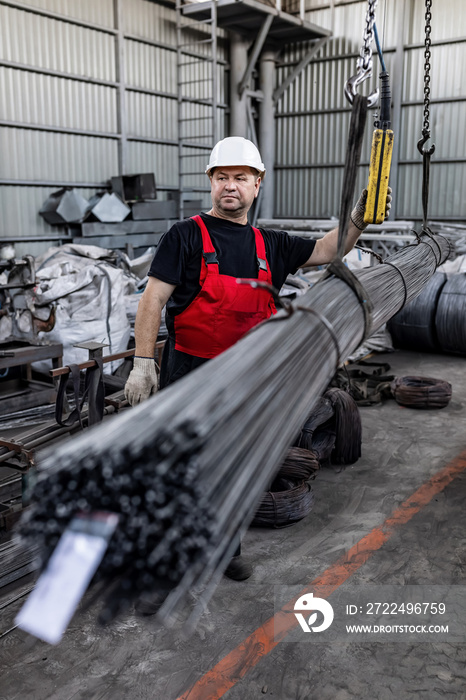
x,y
74,375
353,155
94,388
94,392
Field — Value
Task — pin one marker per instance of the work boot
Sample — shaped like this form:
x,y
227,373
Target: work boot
x,y
150,603
238,569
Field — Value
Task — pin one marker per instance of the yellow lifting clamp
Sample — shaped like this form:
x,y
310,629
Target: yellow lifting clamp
x,y
381,153
379,167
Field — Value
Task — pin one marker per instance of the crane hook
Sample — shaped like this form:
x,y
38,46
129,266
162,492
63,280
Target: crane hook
x,y
353,82
420,144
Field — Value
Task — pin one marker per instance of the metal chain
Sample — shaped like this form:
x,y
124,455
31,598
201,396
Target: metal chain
x,y
365,55
427,56
426,152
364,61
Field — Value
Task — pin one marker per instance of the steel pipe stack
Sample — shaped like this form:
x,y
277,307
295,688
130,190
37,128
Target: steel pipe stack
x,y
186,468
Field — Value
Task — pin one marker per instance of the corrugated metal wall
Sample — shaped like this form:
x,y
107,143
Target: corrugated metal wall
x,y
88,89
58,108
313,115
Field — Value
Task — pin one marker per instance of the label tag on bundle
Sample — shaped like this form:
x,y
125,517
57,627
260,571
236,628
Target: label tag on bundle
x,y
60,587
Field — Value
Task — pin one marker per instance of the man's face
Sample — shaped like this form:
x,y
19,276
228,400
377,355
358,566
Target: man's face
x,y
233,190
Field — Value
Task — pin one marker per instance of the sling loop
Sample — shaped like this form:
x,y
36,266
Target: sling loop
x,y
353,155
94,392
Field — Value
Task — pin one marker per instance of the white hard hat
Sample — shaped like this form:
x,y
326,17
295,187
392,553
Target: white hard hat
x,y
235,150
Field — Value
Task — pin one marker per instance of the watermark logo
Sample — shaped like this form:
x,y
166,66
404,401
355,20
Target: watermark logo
x,y
306,603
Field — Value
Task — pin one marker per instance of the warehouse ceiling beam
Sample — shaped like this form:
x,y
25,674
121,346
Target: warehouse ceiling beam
x,y
313,51
246,16
256,49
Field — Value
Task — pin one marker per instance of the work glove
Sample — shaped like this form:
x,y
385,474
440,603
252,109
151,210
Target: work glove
x,y
357,215
142,381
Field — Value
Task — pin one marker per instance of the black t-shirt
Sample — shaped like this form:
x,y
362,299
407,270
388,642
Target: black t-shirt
x,y
178,257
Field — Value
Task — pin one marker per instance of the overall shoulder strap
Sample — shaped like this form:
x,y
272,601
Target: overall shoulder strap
x,y
264,273
208,251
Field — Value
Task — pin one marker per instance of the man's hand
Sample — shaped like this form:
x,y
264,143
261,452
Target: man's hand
x,y
142,381
357,215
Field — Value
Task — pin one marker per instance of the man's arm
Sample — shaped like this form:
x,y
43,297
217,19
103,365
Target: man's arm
x,y
326,248
143,380
148,317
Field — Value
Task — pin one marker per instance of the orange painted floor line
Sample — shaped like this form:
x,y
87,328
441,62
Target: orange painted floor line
x,y
233,667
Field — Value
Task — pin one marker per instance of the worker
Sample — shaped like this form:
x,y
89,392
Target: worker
x,y
194,274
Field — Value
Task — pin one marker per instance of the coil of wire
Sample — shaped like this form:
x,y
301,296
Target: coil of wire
x,y
281,508
318,432
451,314
299,463
290,497
333,430
348,428
421,392
414,327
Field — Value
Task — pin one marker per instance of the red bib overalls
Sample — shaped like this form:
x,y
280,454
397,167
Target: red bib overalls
x,y
223,311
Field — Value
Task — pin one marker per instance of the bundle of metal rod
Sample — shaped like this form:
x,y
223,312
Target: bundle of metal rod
x,y
413,328
162,528
16,561
451,312
27,417
221,428
26,443
421,392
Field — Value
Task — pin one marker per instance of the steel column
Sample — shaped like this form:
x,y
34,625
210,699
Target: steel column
x,y
238,103
267,130
121,87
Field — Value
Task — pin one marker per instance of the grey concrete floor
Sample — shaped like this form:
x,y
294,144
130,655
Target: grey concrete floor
x,y
136,659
